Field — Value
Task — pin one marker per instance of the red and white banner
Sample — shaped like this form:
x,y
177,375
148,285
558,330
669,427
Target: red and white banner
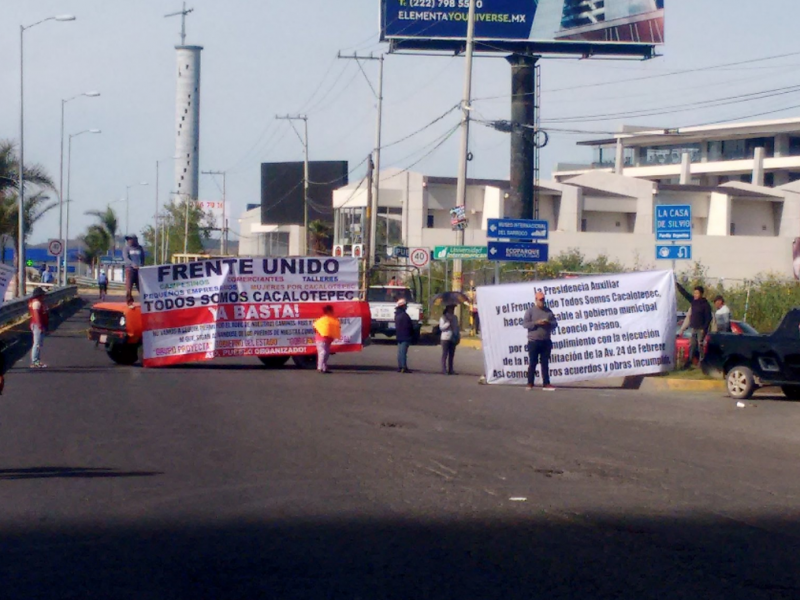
x,y
245,307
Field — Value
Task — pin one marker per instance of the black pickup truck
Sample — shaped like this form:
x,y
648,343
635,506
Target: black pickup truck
x,y
751,361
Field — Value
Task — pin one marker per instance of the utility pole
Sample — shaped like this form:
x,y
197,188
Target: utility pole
x,y
461,188
373,210
304,141
223,226
369,240
183,14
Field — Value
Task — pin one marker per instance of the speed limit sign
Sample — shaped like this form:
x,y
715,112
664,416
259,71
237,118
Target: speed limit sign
x,y
419,257
55,247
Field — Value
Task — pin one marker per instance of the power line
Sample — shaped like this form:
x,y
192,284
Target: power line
x,y
699,105
647,77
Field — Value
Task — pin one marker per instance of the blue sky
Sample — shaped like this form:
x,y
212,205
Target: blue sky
x,y
264,58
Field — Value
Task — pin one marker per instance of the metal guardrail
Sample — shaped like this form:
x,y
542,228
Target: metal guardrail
x,y
16,309
88,282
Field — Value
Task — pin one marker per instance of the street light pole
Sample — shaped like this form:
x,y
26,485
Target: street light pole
x,y
222,226
127,204
65,247
304,141
21,187
61,183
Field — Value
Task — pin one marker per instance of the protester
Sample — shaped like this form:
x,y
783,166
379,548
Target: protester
x,y
540,322
102,285
393,281
450,338
472,294
404,330
328,329
722,316
699,321
37,308
133,258
47,276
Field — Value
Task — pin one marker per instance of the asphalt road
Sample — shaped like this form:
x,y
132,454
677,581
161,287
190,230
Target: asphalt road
x,y
226,480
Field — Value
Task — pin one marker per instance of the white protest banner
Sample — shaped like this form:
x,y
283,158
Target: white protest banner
x,y
608,326
6,276
245,307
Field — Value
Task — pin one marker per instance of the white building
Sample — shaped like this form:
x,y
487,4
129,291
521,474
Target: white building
x,y
739,229
764,153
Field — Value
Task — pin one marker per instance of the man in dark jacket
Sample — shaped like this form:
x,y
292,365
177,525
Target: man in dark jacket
x,y
133,258
404,329
700,317
540,323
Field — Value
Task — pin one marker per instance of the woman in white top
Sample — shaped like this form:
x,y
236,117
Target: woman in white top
x,y
450,337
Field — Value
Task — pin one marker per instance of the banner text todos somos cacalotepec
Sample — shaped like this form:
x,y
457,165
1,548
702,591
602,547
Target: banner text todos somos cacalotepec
x,y
608,326
245,307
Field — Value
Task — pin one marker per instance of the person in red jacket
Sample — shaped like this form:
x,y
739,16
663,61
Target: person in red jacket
x,y
39,322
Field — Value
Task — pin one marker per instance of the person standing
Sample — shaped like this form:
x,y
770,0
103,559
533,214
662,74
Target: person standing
x,y
450,337
327,329
404,330
37,309
102,284
722,316
540,322
700,318
472,294
133,258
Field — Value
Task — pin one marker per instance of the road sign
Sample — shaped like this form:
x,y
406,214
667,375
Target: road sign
x,y
518,251
463,252
397,251
523,229
55,248
673,222
676,252
419,257
338,250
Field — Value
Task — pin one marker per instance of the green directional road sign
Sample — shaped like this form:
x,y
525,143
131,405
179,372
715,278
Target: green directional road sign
x,y
463,252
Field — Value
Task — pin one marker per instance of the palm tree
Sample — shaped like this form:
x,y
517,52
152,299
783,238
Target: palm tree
x,y
108,222
319,232
9,169
35,203
96,242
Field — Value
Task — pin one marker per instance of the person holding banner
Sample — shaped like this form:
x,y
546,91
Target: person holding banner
x,y
328,329
540,322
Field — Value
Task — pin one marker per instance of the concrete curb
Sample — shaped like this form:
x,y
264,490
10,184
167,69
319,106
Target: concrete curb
x,y
473,343
665,384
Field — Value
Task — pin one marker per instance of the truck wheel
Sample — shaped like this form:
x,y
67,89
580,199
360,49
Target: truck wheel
x,y
273,362
305,361
123,354
791,391
741,383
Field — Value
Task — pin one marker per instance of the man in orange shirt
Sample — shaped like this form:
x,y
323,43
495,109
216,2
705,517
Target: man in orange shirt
x,y
327,329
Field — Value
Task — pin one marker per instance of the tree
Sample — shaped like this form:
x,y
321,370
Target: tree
x,y
96,242
35,202
172,228
108,223
319,232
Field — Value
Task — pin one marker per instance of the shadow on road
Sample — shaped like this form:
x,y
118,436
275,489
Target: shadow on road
x,y
620,557
68,472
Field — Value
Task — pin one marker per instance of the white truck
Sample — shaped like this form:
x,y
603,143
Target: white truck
x,y
382,302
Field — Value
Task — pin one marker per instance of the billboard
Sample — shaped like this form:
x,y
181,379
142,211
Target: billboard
x,y
639,22
282,191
